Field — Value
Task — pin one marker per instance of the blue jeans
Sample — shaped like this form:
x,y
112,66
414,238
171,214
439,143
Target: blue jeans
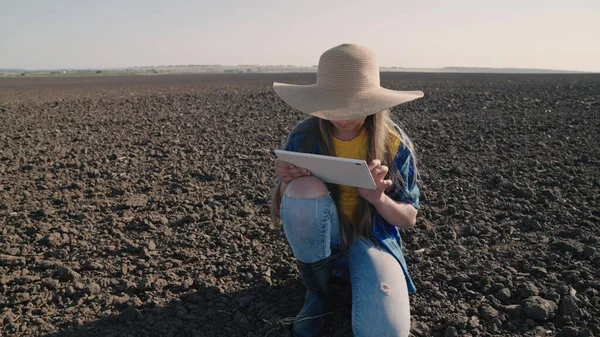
x,y
380,305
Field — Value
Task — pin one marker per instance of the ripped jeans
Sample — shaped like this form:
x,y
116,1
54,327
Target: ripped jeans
x,y
380,304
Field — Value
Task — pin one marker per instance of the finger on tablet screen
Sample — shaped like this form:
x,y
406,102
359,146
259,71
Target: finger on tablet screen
x,y
374,163
382,169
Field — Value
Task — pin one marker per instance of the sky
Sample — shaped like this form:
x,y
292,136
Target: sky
x,y
561,35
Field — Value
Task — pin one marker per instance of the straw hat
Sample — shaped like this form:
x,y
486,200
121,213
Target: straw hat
x,y
347,87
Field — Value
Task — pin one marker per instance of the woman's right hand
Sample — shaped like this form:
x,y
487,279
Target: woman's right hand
x,y
287,172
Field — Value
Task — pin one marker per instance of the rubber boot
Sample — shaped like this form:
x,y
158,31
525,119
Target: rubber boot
x,y
318,299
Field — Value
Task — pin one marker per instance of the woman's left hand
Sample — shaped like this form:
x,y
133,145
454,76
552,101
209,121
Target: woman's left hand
x,y
378,172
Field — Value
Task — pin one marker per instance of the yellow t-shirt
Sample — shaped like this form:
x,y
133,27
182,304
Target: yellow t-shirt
x,y
356,149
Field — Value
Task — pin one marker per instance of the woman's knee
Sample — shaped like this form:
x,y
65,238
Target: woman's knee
x,y
308,216
380,297
306,187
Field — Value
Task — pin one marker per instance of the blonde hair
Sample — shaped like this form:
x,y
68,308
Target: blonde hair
x,y
380,133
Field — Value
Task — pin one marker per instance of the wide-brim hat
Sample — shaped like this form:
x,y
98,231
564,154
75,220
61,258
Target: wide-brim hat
x,y
348,87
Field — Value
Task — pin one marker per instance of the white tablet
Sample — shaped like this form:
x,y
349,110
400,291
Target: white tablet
x,y
342,171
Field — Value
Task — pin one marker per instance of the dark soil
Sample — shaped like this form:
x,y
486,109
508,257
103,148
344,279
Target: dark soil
x,y
139,206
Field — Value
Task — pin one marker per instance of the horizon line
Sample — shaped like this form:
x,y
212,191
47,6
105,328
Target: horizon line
x,y
287,66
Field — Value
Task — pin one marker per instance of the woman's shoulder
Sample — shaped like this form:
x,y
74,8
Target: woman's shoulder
x,y
299,134
399,143
395,137
303,126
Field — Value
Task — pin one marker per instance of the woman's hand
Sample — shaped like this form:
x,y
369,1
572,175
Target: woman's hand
x,y
378,172
396,213
287,172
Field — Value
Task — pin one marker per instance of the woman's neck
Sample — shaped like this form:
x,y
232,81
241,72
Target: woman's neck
x,y
347,135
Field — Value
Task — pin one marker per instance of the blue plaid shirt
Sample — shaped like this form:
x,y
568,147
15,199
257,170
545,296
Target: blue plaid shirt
x,y
386,235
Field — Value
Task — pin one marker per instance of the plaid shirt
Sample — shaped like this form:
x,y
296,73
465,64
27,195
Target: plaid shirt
x,y
386,235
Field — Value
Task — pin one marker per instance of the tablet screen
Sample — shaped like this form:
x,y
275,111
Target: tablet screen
x,y
329,169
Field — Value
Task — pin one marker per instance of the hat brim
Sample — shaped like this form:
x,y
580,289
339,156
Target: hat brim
x,y
323,103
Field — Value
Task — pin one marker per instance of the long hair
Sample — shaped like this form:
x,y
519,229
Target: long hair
x,y
380,134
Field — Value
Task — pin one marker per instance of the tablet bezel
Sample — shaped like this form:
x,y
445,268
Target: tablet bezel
x,y
328,168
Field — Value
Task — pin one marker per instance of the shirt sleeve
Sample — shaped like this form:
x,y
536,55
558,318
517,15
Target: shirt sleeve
x,y
296,137
292,144
406,189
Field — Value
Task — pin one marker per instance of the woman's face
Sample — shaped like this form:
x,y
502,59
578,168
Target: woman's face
x,y
349,125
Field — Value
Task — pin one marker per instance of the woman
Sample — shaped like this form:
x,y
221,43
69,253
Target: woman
x,y
332,228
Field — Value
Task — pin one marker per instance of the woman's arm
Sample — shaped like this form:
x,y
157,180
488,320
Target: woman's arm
x,y
399,208
396,213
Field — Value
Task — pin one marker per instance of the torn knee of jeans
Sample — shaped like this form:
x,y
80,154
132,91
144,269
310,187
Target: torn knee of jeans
x,y
385,288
